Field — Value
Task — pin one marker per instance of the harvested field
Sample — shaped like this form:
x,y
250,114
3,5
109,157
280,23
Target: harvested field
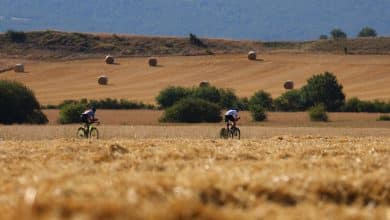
x,y
364,76
286,177
275,119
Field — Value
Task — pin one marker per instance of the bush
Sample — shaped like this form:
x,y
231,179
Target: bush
x,y
194,40
16,36
384,118
323,37
318,113
169,96
208,93
70,113
192,110
243,104
258,112
367,32
357,105
337,33
19,105
290,101
225,98
263,99
228,99
323,88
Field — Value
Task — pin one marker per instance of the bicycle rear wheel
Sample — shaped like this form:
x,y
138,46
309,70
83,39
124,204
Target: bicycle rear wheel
x,y
224,133
94,133
82,133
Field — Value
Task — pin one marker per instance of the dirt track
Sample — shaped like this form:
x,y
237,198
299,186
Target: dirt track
x,y
366,76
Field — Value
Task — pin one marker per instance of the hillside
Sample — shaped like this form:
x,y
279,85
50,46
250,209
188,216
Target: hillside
x,y
246,19
63,45
364,76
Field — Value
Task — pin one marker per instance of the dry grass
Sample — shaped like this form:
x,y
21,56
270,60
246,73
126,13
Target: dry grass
x,y
283,177
26,132
363,76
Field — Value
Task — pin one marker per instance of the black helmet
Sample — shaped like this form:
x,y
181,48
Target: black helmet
x,y
93,108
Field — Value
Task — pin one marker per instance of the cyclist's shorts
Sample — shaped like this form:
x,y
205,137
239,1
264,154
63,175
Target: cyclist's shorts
x,y
229,118
84,118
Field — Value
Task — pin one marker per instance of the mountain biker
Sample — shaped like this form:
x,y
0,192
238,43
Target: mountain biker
x,y
88,116
231,115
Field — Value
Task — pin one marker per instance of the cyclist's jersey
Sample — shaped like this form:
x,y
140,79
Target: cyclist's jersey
x,y
233,113
89,113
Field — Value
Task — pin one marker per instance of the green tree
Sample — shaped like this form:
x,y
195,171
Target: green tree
x,y
337,33
367,32
263,99
323,89
318,113
19,105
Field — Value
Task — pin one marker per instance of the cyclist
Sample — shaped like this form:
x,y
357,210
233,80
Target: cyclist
x,y
231,115
88,117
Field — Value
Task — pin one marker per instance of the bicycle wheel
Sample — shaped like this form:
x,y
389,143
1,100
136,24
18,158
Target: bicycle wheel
x,y
236,133
94,133
224,134
82,133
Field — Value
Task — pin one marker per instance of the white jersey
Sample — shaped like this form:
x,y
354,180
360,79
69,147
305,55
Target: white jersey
x,y
89,113
233,113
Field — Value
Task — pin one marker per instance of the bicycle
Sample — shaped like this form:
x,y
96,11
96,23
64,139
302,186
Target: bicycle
x,y
88,131
231,132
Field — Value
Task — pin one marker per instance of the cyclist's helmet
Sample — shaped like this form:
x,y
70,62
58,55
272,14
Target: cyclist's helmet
x,y
93,108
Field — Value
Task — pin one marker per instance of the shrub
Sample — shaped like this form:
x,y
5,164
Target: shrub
x,y
318,113
289,101
384,118
194,40
18,104
357,105
323,37
243,104
192,110
323,88
169,96
107,103
16,36
258,112
367,32
263,99
337,33
70,113
209,93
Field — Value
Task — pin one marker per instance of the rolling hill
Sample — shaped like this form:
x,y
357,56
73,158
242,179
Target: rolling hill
x,y
245,19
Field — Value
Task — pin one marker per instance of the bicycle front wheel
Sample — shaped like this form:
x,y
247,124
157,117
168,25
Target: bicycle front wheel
x,y
82,133
94,133
236,133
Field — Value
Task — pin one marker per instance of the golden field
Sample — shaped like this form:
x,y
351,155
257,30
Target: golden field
x,y
282,177
364,76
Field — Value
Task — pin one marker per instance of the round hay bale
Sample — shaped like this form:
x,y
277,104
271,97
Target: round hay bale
x,y
289,84
152,61
109,59
103,80
204,83
252,55
19,68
